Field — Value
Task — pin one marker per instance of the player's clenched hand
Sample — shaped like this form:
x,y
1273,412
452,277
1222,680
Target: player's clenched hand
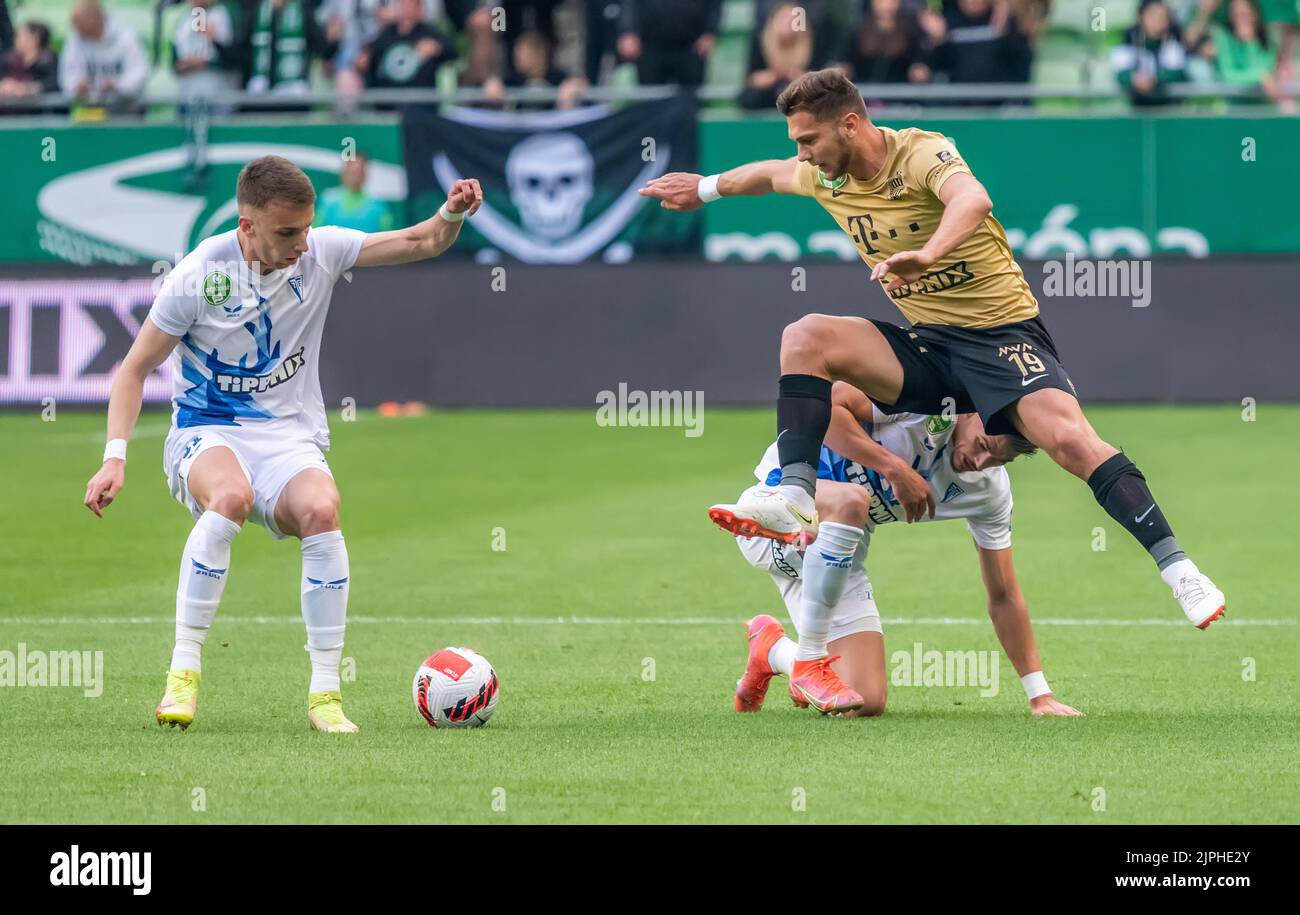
x,y
105,485
675,191
1046,705
465,195
906,266
912,492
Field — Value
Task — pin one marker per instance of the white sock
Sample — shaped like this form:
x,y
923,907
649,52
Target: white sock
x,y
204,567
1176,571
325,605
781,656
826,565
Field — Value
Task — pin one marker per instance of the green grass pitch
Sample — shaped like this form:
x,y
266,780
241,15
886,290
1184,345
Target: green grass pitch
x,y
609,561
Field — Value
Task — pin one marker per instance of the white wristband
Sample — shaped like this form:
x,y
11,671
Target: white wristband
x,y
449,215
1035,684
708,188
116,448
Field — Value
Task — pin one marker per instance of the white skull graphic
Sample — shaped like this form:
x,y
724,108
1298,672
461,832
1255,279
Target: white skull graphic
x,y
550,178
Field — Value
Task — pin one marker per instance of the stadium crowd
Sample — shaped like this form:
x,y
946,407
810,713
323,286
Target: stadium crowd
x,y
273,48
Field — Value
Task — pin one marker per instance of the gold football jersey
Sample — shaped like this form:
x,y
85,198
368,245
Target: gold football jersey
x,y
978,284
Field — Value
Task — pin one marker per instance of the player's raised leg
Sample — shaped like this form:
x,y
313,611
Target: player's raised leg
x,y
218,485
308,508
816,351
1053,420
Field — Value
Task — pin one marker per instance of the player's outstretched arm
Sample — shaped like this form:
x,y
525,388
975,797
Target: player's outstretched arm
x,y
688,191
426,239
850,408
1010,616
150,348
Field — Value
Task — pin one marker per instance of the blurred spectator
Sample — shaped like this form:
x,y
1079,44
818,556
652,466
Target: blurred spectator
x,y
102,61
981,42
781,52
407,53
602,32
349,205
284,37
1241,53
1152,56
890,45
351,24
485,57
7,37
523,17
670,40
31,68
203,52
531,66
1285,14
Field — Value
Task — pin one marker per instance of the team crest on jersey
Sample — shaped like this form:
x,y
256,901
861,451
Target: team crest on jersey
x,y
827,182
295,283
217,288
936,424
952,492
896,186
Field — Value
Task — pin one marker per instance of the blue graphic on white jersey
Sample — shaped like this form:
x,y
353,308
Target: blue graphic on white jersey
x,y
836,467
206,404
839,562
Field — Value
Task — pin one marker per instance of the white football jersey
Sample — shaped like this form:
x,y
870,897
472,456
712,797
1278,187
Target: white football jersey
x,y
250,344
982,497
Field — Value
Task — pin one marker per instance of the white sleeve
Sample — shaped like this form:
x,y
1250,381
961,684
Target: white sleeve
x,y
175,313
135,69
336,248
992,530
878,418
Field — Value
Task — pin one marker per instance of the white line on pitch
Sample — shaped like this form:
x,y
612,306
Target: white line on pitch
x,y
599,621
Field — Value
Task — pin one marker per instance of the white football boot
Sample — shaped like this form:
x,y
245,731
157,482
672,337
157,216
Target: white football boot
x,y
1201,601
784,513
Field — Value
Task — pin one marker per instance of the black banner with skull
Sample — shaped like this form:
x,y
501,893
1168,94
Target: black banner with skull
x,y
558,186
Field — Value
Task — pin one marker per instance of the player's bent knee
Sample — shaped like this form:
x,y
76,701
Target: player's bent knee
x,y
234,502
318,515
844,504
873,704
802,342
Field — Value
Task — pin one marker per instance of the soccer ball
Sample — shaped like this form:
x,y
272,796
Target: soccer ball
x,y
456,688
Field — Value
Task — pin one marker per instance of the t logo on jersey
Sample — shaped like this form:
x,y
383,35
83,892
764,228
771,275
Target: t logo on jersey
x,y
862,229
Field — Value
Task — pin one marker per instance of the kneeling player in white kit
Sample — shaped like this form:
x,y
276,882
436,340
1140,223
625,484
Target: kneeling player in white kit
x,y
247,309
875,469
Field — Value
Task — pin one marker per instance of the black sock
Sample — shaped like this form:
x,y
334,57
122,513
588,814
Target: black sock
x,y
803,414
1121,489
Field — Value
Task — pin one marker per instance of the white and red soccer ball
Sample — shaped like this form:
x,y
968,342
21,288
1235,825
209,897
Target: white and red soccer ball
x,y
456,688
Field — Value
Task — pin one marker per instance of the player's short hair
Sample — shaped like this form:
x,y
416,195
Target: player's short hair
x,y
825,94
1021,445
273,178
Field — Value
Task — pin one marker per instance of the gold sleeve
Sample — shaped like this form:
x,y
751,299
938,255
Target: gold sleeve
x,y
805,178
931,159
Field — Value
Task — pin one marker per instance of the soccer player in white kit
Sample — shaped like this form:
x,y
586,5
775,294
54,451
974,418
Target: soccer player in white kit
x,y
241,317
878,468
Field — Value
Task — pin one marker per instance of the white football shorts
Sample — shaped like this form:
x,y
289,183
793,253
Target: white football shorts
x,y
856,610
271,454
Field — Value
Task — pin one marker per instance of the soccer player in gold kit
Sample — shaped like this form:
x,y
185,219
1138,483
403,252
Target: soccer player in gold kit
x,y
925,227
